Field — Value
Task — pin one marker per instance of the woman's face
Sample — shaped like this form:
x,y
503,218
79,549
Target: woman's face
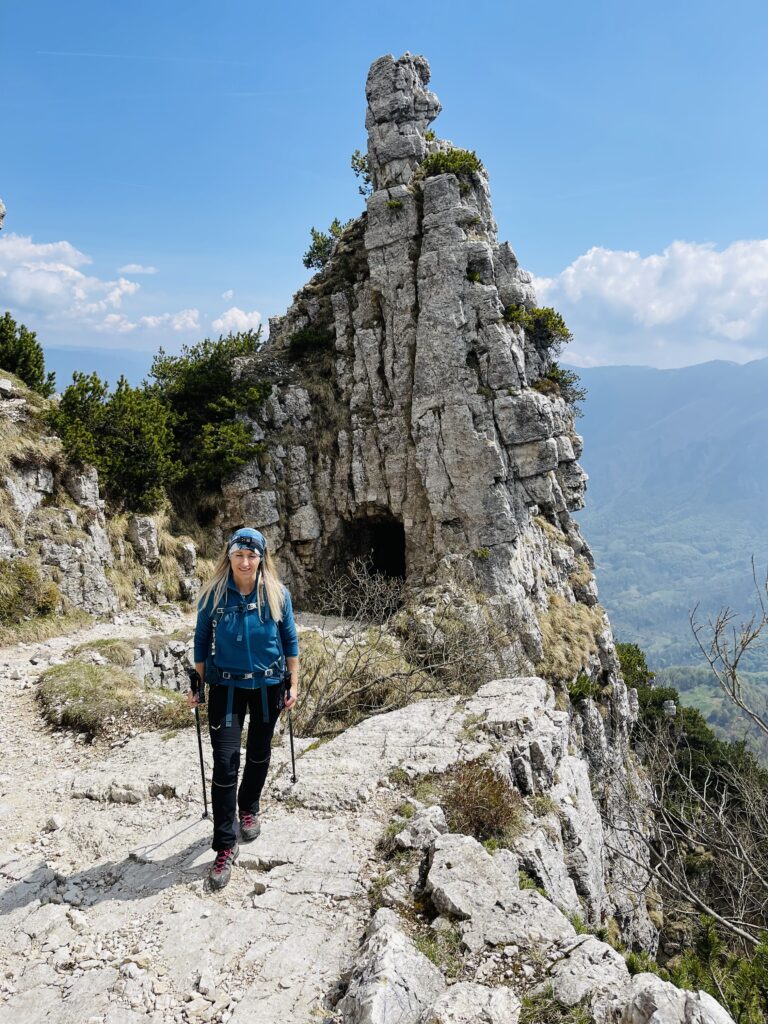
x,y
244,565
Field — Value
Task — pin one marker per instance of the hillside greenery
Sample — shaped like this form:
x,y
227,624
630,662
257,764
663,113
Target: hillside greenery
x,y
22,355
720,787
178,434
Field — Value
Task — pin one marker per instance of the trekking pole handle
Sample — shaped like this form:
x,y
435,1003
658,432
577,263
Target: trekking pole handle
x,y
196,685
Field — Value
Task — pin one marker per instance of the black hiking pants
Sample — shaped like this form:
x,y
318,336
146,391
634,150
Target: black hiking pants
x,y
227,801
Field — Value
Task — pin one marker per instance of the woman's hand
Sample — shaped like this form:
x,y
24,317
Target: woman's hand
x,y
193,699
290,700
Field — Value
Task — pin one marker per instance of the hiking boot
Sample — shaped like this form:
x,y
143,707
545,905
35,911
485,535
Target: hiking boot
x,y
250,826
221,871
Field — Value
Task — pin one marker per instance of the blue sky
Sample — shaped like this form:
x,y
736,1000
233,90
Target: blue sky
x,y
200,142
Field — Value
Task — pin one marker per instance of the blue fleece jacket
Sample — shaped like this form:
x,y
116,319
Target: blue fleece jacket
x,y
245,641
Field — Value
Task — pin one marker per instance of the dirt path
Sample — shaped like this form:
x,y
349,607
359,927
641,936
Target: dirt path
x,y
104,904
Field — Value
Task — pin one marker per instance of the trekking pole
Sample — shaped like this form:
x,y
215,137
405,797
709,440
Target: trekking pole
x,y
293,756
198,687
286,696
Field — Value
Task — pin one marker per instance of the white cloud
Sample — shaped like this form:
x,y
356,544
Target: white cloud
x,y
136,268
44,278
689,303
235,320
184,320
228,295
116,323
45,282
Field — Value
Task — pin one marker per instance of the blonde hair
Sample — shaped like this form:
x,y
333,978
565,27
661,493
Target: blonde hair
x,y
270,587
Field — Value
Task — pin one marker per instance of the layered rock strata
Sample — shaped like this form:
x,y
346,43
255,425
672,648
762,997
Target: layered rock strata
x,y
405,417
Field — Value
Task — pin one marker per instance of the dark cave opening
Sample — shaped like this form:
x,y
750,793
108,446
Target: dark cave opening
x,y
379,541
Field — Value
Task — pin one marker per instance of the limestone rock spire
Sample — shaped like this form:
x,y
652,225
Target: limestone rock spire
x,y
400,109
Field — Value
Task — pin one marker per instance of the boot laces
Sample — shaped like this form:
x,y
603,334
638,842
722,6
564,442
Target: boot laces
x,y
221,860
247,820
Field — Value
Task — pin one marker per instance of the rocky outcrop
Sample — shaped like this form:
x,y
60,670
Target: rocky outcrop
x,y
51,511
409,421
405,419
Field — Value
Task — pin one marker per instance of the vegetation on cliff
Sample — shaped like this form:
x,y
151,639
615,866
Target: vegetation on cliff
x,y
22,355
709,800
180,433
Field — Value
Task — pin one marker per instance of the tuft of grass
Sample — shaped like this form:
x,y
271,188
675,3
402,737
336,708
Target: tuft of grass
x,y
580,926
118,652
24,442
395,204
38,629
569,635
527,881
24,593
376,892
443,949
97,700
582,688
543,805
476,801
543,1008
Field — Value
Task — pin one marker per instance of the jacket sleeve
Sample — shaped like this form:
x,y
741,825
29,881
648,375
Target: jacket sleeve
x,y
287,626
203,631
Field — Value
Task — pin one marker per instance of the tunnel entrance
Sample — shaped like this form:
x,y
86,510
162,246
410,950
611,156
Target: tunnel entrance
x,y
379,541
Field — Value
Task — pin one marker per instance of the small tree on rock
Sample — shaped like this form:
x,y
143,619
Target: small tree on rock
x,y
319,252
22,355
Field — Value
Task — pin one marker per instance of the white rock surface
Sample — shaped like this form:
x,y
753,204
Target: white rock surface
x,y
391,981
468,1003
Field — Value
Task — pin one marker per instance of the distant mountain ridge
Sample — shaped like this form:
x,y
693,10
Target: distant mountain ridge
x,y
677,497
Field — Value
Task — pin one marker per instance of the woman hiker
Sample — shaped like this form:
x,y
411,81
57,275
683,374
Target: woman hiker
x,y
245,631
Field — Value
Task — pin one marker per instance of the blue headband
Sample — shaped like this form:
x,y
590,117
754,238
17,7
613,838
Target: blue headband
x,y
247,540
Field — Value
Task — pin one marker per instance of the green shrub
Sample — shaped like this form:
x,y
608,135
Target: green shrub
x,y
543,324
311,339
429,135
224,448
126,435
205,399
319,252
22,355
362,170
24,593
737,981
634,667
565,384
481,553
639,963
583,688
461,162
475,276
395,204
